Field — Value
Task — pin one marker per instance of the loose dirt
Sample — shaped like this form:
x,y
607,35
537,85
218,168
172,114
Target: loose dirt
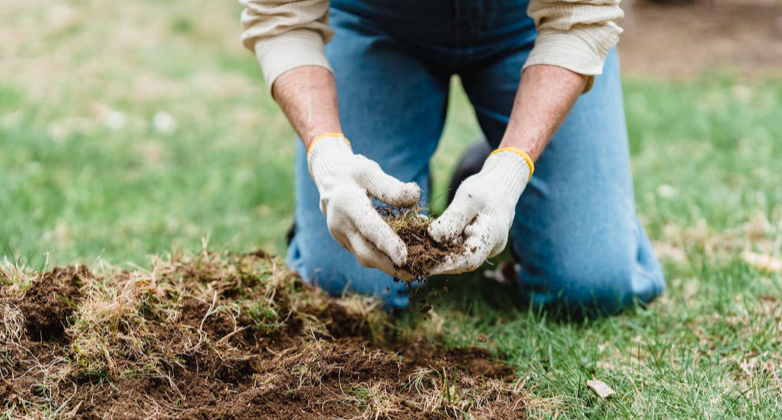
x,y
50,301
231,337
683,41
423,252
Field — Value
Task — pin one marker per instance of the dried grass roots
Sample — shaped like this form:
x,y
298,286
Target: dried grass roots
x,y
223,336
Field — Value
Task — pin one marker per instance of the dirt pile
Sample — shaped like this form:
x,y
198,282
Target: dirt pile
x,y
50,301
234,337
423,252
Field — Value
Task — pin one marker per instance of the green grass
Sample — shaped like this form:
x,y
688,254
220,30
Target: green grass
x,y
85,174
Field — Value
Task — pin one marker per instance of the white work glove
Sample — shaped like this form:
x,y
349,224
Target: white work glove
x,y
482,211
345,182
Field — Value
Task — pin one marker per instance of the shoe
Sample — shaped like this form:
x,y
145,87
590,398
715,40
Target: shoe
x,y
290,233
470,163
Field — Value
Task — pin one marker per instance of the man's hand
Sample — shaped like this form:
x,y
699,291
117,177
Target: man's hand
x,y
485,203
345,182
483,210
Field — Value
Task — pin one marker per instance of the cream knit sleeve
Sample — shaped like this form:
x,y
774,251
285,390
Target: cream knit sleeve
x,y
285,34
574,34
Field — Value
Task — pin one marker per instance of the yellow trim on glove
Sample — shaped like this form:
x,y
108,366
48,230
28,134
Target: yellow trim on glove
x,y
519,152
324,135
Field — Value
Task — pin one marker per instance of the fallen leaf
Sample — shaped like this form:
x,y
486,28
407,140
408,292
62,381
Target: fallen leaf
x,y
763,262
600,387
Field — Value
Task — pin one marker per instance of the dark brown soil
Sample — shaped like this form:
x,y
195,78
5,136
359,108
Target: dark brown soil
x,y
51,300
423,252
185,350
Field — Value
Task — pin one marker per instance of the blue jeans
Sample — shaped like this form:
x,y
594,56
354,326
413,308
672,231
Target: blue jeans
x,y
576,232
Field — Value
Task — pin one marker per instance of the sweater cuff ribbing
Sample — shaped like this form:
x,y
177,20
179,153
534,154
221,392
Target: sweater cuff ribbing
x,y
296,48
582,50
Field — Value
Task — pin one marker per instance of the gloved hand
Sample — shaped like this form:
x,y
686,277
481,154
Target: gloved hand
x,y
345,182
482,210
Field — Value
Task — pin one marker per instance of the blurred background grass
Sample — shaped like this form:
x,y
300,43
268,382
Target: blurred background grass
x,y
129,128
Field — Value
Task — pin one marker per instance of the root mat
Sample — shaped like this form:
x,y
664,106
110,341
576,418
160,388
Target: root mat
x,y
224,336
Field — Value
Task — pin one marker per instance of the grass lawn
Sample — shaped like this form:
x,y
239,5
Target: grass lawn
x,y
130,129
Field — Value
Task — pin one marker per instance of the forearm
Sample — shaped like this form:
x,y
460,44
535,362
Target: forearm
x,y
544,98
308,97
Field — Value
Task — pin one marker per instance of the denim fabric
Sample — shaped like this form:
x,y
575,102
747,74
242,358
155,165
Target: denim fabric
x,y
576,231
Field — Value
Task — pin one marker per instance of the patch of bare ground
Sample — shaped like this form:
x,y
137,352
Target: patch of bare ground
x,y
225,336
682,39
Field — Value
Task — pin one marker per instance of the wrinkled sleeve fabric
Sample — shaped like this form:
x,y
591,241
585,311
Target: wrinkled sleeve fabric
x,y
575,34
285,34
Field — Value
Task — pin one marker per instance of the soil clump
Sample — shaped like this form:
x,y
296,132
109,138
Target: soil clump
x,y
423,252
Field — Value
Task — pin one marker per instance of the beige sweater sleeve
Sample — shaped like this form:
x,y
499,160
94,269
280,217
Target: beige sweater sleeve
x,y
575,34
285,34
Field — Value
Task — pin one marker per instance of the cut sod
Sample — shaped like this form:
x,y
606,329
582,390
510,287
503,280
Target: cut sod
x,y
224,336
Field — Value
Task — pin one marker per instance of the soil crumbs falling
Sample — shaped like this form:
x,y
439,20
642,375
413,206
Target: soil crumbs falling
x,y
423,252
220,336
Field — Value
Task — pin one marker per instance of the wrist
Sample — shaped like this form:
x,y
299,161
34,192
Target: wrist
x,y
315,131
531,144
329,137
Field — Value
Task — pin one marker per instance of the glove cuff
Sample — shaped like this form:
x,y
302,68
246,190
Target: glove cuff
x,y
326,152
512,169
521,153
326,136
